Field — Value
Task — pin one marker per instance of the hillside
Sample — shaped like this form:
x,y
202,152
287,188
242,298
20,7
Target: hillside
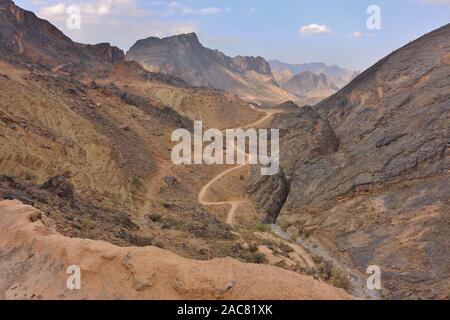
x,y
368,172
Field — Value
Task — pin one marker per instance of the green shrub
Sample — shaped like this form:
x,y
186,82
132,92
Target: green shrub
x,y
259,258
253,247
156,217
136,181
263,227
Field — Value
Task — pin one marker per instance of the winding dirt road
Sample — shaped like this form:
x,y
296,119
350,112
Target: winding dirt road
x,y
234,204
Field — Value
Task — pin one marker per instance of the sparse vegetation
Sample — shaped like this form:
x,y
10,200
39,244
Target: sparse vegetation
x,y
253,247
339,279
259,258
136,181
263,227
317,259
156,217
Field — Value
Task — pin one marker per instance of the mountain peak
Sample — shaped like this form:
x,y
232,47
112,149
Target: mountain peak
x,y
185,57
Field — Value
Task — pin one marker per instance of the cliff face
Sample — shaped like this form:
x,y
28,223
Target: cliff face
x,y
377,193
185,57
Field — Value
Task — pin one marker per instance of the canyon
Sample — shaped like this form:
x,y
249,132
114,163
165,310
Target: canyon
x,y
87,178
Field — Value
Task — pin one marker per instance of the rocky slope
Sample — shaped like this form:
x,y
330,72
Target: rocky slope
x,y
185,57
309,87
34,258
24,38
368,171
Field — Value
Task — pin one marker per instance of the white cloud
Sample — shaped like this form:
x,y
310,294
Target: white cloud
x,y
357,34
177,7
51,11
314,29
439,2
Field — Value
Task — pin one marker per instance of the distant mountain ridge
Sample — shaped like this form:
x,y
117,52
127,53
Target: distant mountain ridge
x,y
311,87
337,75
185,57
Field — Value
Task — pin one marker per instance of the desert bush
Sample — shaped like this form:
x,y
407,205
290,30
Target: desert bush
x,y
136,181
253,247
156,217
263,227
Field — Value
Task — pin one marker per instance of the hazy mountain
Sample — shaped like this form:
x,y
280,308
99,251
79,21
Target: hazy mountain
x,y
369,172
185,57
310,87
335,74
283,76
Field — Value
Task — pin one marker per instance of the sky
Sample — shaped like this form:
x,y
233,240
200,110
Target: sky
x,y
335,32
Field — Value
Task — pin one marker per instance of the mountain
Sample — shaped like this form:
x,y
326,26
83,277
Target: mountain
x,y
368,172
24,38
335,74
310,87
185,57
283,76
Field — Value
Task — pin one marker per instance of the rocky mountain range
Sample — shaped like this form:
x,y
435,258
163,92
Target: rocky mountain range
x,y
184,56
86,175
335,74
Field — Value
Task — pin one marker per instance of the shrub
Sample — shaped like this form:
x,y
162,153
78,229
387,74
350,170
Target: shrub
x,y
259,258
253,247
263,227
317,259
339,279
156,217
136,181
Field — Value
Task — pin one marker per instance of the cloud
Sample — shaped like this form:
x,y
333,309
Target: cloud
x,y
438,2
357,34
120,22
177,7
314,29
51,11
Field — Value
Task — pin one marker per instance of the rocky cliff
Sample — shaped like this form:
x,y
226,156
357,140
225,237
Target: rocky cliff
x,y
368,170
